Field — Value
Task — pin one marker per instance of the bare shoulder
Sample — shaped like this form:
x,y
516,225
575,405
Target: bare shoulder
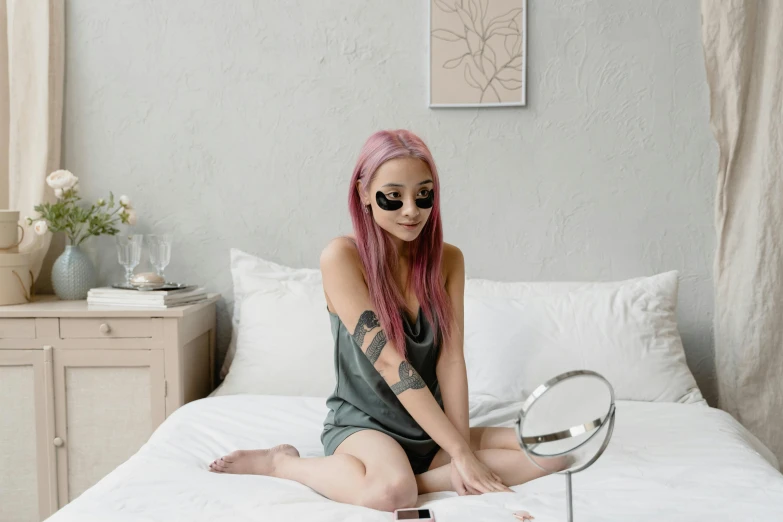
x,y
344,280
339,249
340,253
453,262
340,260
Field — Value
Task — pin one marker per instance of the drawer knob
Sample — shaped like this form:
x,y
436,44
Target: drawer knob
x,y
58,441
105,328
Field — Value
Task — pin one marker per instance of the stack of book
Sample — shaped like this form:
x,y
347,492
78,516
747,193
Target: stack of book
x,y
156,299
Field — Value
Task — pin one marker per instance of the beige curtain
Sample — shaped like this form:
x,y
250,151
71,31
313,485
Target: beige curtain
x,y
743,51
32,56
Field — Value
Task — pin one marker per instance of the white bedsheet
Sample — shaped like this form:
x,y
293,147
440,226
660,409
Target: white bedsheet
x,y
666,462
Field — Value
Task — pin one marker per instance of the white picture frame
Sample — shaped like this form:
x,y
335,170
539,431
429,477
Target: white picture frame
x,y
458,72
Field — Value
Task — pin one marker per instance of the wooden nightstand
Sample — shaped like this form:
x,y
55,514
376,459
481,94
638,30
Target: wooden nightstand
x,y
82,389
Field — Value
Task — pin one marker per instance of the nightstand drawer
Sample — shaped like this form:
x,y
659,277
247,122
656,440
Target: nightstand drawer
x,y
105,327
17,328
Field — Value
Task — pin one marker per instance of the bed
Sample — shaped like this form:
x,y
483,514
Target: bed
x,y
671,457
672,462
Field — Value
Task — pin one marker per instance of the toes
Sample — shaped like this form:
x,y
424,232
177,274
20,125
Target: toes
x,y
218,465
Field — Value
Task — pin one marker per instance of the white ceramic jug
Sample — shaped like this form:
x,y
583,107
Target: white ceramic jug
x,y
16,278
9,226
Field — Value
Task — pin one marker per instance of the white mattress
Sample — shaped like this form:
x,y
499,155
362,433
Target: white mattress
x,y
666,462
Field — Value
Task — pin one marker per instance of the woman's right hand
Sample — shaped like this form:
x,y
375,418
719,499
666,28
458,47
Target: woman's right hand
x,y
476,476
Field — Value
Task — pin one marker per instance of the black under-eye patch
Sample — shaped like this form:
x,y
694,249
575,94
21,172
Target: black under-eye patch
x,y
426,202
385,203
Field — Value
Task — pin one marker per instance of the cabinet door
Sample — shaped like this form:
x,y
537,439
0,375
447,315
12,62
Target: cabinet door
x,y
108,402
27,469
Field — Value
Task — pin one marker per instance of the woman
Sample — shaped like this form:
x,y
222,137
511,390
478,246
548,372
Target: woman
x,y
398,420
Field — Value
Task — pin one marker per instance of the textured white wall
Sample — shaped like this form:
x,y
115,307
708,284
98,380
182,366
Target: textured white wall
x,y
237,124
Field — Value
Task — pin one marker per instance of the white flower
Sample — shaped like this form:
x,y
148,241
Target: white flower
x,y
132,217
61,179
58,193
41,227
125,201
100,202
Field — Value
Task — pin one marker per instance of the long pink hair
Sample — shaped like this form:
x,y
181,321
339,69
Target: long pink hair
x,y
379,254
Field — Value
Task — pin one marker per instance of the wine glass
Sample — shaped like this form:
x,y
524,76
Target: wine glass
x,y
160,251
129,254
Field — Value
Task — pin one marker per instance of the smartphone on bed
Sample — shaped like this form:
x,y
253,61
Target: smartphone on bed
x,y
422,515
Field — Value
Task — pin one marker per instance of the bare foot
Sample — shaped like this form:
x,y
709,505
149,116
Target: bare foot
x,y
253,462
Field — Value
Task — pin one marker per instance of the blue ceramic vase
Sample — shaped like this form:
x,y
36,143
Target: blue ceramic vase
x,y
73,274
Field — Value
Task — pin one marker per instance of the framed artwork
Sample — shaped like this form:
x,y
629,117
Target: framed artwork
x,y
478,53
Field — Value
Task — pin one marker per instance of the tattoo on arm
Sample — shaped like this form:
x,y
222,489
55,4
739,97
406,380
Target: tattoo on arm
x,y
376,346
409,379
367,321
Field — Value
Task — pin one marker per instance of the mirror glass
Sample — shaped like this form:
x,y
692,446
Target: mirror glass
x,y
564,423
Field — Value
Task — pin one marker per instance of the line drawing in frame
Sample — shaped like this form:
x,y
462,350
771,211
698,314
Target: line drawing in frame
x,y
477,53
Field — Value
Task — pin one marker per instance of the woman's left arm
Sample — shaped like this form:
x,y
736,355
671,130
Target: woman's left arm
x,y
450,369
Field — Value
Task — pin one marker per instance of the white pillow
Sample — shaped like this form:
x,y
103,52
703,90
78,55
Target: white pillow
x,y
518,335
248,273
284,343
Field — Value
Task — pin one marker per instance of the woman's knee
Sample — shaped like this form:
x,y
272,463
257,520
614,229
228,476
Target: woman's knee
x,y
390,493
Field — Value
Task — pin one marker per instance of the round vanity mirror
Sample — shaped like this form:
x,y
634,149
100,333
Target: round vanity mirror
x,y
566,424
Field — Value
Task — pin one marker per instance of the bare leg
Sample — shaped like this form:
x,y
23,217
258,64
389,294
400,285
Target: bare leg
x,y
253,462
499,450
493,438
372,468
512,466
318,473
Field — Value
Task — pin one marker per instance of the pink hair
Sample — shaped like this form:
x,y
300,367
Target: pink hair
x,y
379,254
